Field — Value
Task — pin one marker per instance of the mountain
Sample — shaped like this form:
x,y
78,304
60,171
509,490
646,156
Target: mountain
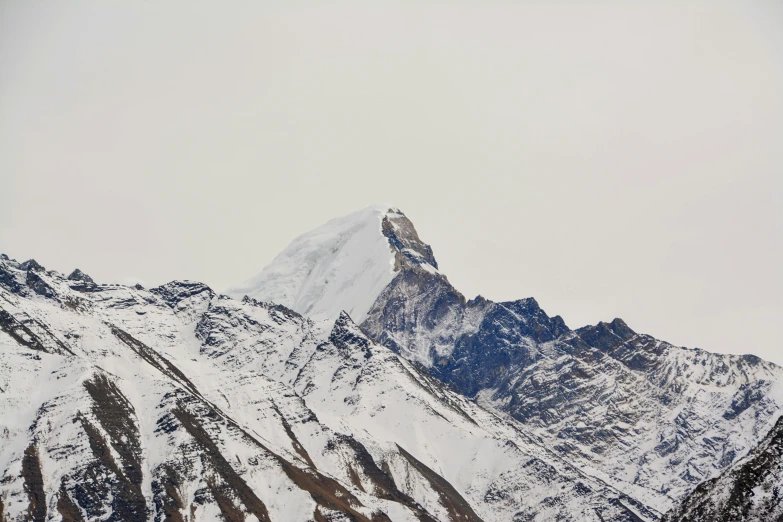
x,y
752,489
175,403
351,381
650,418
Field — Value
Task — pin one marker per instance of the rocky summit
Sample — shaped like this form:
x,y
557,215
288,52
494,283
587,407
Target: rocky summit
x,y
350,381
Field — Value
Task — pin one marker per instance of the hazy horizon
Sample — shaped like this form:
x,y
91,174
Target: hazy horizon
x,y
609,159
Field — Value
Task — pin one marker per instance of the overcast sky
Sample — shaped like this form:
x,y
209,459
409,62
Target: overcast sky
x,y
609,158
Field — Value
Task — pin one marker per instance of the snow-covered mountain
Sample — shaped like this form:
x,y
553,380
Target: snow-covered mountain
x,y
120,403
124,404
652,419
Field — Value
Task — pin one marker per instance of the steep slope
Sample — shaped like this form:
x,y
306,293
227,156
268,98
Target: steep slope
x,y
751,490
652,419
120,403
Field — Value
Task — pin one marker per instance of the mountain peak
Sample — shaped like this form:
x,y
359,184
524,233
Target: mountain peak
x,y
78,275
342,265
346,332
606,335
31,264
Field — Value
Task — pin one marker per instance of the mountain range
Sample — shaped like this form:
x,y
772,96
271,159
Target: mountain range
x,y
350,380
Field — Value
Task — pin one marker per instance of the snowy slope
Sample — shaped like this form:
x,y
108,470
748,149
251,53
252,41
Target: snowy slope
x,y
341,266
751,490
120,403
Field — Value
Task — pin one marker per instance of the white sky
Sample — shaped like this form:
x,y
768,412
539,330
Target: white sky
x,y
609,158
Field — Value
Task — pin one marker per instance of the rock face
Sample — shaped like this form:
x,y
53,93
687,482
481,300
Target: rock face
x,y
751,490
652,419
177,404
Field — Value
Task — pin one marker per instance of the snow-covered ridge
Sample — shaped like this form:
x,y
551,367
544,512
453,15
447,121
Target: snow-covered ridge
x,y
121,404
342,265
